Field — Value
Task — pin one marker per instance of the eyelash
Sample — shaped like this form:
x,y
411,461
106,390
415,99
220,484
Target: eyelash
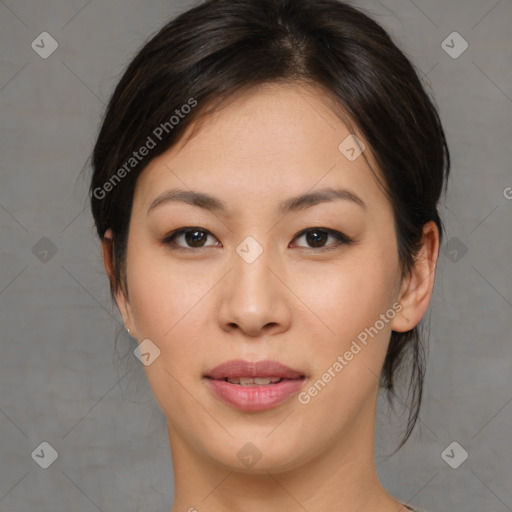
x,y
342,239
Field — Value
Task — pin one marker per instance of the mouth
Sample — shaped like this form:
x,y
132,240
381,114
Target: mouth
x,y
256,381
258,373
254,386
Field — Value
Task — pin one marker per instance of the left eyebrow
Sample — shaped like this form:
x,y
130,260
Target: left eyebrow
x,y
301,202
320,196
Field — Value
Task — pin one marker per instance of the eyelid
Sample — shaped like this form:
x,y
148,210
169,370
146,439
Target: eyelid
x,y
341,238
169,239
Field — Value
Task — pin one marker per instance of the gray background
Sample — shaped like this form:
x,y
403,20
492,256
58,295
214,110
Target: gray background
x,y
58,381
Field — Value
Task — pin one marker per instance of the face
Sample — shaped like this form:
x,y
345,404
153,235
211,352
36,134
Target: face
x,y
253,275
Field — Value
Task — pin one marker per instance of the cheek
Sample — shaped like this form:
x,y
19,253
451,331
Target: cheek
x,y
349,354
170,304
348,297
164,293
167,304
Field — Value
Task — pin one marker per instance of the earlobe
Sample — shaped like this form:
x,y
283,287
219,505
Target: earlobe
x,y
124,308
108,254
417,287
109,263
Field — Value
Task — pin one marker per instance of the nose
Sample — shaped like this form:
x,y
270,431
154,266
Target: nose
x,y
254,299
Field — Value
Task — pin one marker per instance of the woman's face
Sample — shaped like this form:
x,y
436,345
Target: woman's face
x,y
262,277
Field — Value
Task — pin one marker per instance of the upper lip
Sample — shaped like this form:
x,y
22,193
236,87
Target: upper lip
x,y
237,368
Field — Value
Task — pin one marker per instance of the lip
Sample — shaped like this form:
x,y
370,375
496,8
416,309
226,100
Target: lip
x,y
237,368
254,398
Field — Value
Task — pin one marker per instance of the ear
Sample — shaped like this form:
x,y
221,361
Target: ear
x,y
416,289
107,250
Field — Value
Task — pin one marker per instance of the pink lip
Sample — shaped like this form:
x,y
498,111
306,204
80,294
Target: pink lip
x,y
237,368
254,398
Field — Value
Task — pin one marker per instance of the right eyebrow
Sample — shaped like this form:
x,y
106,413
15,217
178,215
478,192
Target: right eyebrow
x,y
189,197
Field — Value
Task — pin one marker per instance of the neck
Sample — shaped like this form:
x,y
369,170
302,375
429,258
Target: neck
x,y
341,477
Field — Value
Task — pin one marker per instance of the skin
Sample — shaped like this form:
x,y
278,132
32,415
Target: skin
x,y
292,304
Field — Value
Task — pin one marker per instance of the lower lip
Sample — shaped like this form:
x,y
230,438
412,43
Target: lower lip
x,y
255,398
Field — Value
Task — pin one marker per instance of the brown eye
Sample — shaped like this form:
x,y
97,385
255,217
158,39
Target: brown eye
x,y
194,238
317,238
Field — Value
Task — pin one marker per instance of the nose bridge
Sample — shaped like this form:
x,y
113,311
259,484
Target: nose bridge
x,y
251,276
253,299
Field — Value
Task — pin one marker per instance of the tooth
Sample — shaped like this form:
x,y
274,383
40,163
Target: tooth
x,y
262,381
258,381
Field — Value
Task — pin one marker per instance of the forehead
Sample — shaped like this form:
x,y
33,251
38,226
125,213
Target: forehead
x,y
275,141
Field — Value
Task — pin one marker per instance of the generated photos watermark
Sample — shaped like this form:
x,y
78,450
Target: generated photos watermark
x,y
137,156
343,360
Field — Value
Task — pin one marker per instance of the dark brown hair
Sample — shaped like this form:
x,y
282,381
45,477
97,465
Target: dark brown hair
x,y
221,48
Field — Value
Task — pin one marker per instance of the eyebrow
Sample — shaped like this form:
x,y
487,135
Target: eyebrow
x,y
301,202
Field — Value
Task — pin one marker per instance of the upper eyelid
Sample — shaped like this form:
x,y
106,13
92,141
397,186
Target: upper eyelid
x,y
178,232
327,230
339,235
182,231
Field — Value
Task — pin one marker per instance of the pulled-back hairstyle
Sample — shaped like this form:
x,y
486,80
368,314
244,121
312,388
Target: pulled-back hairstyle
x,y
221,48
